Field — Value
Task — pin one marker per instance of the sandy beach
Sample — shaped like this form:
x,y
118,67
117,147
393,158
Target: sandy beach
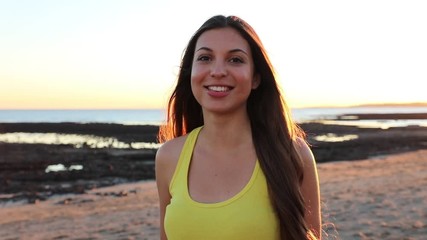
x,y
380,198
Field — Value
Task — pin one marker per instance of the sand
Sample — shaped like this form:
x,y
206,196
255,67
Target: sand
x,y
380,198
128,211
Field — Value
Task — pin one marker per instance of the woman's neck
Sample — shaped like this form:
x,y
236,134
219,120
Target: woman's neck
x,y
227,130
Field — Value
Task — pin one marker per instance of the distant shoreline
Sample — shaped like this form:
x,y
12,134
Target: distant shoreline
x,y
382,116
369,105
415,104
412,104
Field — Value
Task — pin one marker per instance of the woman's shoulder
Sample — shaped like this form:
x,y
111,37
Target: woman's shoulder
x,y
304,152
167,157
170,150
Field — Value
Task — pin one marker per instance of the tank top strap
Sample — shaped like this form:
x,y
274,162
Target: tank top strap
x,y
181,170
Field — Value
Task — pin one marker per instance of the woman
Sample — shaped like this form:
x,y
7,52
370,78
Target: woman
x,y
233,164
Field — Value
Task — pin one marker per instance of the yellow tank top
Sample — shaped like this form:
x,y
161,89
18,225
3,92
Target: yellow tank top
x,y
247,215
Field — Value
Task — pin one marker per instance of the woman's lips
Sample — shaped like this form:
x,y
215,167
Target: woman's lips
x,y
218,90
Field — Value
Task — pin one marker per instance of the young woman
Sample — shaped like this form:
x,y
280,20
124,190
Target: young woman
x,y
233,164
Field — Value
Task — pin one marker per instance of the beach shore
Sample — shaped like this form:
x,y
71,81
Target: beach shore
x,y
379,198
28,168
372,183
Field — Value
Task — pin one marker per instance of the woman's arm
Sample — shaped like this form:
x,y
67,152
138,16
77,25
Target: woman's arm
x,y
162,186
310,189
167,157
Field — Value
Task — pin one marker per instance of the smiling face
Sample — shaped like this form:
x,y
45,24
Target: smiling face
x,y
222,74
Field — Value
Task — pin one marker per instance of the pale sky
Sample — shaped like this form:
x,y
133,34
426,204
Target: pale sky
x,y
88,54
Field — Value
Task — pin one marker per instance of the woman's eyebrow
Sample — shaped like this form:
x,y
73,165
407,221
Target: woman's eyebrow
x,y
204,48
238,50
231,51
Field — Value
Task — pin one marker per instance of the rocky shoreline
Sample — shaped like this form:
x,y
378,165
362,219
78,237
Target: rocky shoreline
x,y
24,174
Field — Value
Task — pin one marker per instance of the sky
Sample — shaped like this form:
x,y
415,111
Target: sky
x,y
104,54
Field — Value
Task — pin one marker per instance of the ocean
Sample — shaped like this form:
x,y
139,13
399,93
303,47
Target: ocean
x,y
158,116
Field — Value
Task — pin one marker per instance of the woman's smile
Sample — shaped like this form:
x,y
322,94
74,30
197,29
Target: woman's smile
x,y
219,88
218,91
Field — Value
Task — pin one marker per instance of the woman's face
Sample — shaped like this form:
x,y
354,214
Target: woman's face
x,y
222,74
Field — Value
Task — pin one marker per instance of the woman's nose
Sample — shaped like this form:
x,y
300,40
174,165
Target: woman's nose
x,y
218,69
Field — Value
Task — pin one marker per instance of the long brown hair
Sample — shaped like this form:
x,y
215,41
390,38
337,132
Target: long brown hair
x,y
273,130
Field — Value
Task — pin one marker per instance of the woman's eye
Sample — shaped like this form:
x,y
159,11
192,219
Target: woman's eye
x,y
203,58
236,60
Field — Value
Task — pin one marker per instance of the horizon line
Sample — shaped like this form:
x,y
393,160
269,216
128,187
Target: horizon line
x,y
412,104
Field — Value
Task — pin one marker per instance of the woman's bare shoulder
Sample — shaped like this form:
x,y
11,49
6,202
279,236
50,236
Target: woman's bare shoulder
x,y
168,154
170,149
304,152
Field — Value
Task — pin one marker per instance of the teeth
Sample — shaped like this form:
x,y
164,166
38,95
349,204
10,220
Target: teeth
x,y
218,88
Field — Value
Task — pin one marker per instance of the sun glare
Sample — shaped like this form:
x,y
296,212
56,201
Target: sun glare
x,y
126,55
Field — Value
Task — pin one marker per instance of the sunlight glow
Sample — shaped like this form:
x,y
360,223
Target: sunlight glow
x,y
61,167
78,141
125,54
331,137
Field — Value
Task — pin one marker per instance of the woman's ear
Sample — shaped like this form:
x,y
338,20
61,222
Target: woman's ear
x,y
256,81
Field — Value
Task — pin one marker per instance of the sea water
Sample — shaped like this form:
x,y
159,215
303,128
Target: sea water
x,y
158,116
119,116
